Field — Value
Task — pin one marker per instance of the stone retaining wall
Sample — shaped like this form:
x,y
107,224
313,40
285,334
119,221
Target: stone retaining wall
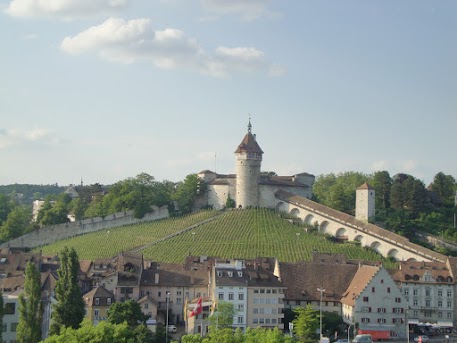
x,y
51,234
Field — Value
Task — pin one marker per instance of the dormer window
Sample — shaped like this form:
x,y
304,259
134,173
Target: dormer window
x,y
240,274
219,273
230,274
97,301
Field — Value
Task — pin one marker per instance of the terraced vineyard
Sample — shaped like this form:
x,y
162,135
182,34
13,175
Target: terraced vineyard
x,y
234,234
108,243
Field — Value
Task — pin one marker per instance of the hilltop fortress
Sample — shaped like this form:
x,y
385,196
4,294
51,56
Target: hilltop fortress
x,y
249,187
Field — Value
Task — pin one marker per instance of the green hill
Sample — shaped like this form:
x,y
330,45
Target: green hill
x,y
233,234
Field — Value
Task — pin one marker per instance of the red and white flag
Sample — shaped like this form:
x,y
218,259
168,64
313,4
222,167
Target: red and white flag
x,y
197,309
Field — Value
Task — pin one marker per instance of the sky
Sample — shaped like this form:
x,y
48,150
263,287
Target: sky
x,y
103,90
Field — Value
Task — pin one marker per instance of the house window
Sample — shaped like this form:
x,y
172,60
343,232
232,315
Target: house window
x,y
220,296
97,301
427,292
440,303
427,303
406,291
449,315
415,302
366,309
4,327
240,274
449,294
365,320
230,296
108,301
240,319
388,289
398,300
240,296
440,314
96,312
219,273
440,293
159,294
146,305
415,313
178,301
373,290
449,303
381,310
365,299
13,327
241,307
415,291
381,320
10,308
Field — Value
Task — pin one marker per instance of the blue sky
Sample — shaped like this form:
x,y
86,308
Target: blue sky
x,y
106,89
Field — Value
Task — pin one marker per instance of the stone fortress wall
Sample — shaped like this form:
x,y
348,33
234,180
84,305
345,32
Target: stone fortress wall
x,y
51,234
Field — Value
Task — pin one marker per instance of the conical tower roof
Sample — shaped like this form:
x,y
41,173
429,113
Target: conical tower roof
x,y
249,143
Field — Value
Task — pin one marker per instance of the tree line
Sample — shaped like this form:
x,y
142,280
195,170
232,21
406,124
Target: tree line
x,y
138,194
403,203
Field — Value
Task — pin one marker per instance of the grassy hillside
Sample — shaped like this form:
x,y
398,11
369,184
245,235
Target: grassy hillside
x,y
234,234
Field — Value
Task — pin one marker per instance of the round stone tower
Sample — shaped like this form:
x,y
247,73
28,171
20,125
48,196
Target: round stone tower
x,y
248,162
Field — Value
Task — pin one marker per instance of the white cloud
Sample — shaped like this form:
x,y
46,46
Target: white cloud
x,y
14,137
408,166
135,40
247,10
379,165
64,9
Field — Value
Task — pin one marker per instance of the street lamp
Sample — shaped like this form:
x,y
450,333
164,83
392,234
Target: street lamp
x,y
166,329
321,290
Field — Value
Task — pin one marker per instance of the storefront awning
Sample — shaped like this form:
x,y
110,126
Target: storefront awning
x,y
413,321
445,324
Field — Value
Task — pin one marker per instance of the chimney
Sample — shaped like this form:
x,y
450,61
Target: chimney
x,y
156,278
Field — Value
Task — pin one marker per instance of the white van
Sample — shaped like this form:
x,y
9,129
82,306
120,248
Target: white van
x,y
363,339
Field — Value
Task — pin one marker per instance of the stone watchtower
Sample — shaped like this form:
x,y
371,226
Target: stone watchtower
x,y
248,162
364,202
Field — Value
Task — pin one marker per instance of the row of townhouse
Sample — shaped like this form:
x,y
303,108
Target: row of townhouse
x,y
381,302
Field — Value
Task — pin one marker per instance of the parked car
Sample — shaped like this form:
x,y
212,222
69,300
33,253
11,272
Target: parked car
x,y
365,338
172,328
341,340
421,338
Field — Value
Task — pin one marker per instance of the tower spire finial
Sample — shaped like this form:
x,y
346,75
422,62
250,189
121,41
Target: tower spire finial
x,y
249,125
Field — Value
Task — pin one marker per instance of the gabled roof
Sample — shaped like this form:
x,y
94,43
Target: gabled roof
x,y
101,293
413,271
302,279
359,282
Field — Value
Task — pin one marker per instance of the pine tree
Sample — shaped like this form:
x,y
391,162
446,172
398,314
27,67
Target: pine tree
x,y
69,310
30,307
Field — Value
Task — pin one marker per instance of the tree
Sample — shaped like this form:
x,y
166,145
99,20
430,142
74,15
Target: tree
x,y
186,192
128,312
223,316
306,322
230,203
17,223
30,307
444,185
103,332
69,310
382,184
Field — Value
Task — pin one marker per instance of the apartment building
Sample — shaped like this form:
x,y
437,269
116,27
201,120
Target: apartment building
x,y
429,290
376,303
